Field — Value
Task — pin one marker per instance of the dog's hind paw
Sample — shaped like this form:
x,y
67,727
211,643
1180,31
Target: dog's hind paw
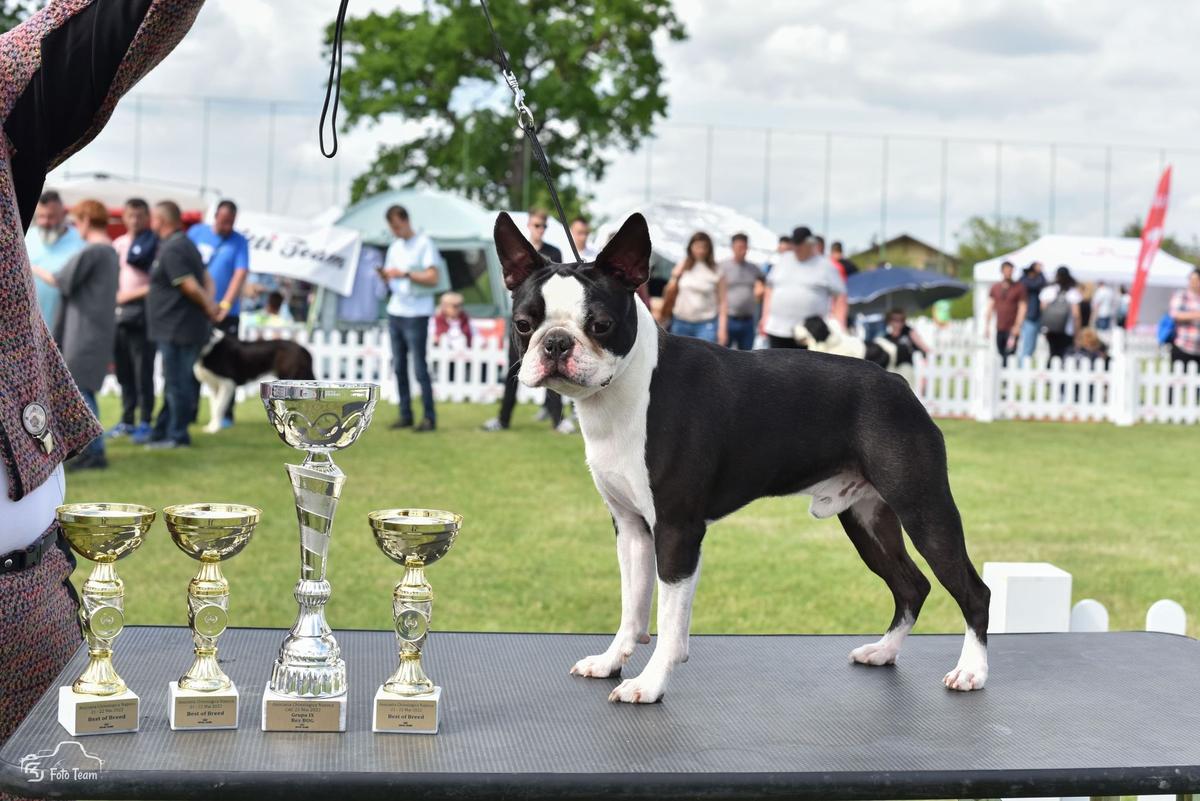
x,y
965,679
600,666
637,691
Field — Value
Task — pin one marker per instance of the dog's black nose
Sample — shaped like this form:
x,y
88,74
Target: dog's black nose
x,y
557,344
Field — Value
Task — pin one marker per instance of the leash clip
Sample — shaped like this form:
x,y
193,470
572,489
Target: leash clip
x,y
524,115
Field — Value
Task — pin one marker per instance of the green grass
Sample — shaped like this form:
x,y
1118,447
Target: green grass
x,y
1115,507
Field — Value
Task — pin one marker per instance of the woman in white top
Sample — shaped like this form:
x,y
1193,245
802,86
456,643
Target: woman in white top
x,y
700,309
1060,311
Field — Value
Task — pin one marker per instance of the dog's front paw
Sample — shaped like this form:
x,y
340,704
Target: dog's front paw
x,y
965,679
600,666
875,653
640,690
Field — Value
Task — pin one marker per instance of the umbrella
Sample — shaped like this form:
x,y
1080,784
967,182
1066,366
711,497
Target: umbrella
x,y
900,288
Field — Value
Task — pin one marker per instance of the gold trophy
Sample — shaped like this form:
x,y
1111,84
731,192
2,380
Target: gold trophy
x,y
99,702
307,690
204,697
408,701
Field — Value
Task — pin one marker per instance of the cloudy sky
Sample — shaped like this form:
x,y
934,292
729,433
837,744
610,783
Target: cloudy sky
x,y
934,76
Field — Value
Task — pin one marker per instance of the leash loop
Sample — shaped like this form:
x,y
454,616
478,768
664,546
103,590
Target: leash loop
x,y
333,85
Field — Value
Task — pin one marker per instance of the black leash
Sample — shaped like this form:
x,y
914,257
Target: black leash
x,y
333,86
525,121
333,91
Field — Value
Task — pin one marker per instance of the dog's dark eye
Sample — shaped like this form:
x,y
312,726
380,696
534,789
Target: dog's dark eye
x,y
524,327
600,327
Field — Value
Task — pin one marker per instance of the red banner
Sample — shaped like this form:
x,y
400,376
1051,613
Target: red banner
x,y
1152,234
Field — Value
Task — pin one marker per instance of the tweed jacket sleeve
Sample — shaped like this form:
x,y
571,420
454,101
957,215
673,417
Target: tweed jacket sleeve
x,y
61,74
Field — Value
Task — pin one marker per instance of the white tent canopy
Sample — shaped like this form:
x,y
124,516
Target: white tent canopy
x,y
113,191
672,223
1092,259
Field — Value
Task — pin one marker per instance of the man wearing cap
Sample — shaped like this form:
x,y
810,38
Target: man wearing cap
x,y
801,284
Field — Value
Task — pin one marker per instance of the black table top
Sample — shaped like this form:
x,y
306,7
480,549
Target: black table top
x,y
747,716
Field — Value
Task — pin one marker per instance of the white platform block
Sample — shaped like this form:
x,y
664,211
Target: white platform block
x,y
1027,597
97,714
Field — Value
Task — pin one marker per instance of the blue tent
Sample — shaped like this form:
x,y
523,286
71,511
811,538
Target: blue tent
x,y
907,288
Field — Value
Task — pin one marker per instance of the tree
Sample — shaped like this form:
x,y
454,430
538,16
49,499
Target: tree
x,y
982,238
1169,244
589,68
13,11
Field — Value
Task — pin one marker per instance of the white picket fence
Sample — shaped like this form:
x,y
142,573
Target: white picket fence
x,y
474,374
965,377
962,377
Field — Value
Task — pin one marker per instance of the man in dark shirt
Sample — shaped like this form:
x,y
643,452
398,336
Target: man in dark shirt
x,y
179,314
552,408
1034,282
1007,306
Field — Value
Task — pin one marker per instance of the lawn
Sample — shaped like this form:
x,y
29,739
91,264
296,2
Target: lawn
x,y
1112,506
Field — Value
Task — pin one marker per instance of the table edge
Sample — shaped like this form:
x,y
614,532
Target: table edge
x,y
838,786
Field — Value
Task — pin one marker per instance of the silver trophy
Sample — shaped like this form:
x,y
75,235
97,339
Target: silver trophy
x,y
317,417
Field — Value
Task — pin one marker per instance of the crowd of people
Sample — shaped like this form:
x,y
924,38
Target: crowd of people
x,y
735,301
159,291
1073,318
156,290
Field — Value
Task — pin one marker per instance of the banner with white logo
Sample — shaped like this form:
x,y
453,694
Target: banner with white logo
x,y
1152,234
325,255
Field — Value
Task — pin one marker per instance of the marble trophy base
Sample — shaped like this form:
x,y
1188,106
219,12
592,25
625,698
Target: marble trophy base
x,y
288,713
406,714
97,714
193,710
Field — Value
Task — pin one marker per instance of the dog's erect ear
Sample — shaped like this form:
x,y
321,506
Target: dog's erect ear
x,y
517,255
626,257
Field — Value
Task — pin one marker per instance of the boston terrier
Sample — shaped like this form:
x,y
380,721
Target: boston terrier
x,y
679,433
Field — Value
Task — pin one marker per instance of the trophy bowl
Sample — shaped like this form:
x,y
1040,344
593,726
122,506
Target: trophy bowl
x,y
104,532
320,416
417,535
211,532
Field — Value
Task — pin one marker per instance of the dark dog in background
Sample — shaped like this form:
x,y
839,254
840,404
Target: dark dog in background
x,y
227,363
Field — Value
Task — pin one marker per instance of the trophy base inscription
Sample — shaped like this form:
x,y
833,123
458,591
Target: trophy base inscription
x,y
190,710
406,714
287,713
97,714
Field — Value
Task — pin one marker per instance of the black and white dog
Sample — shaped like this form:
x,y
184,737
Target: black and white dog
x,y
828,336
671,450
227,363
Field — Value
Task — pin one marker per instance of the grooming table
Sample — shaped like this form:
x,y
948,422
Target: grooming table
x,y
746,717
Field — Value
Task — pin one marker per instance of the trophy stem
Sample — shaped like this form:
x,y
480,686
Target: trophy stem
x,y
309,662
412,609
101,617
208,615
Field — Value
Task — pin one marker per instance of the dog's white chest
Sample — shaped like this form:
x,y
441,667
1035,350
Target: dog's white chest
x,y
614,431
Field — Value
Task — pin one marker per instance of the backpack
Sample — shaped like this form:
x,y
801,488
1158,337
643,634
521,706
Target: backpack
x,y
1056,316
1166,329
